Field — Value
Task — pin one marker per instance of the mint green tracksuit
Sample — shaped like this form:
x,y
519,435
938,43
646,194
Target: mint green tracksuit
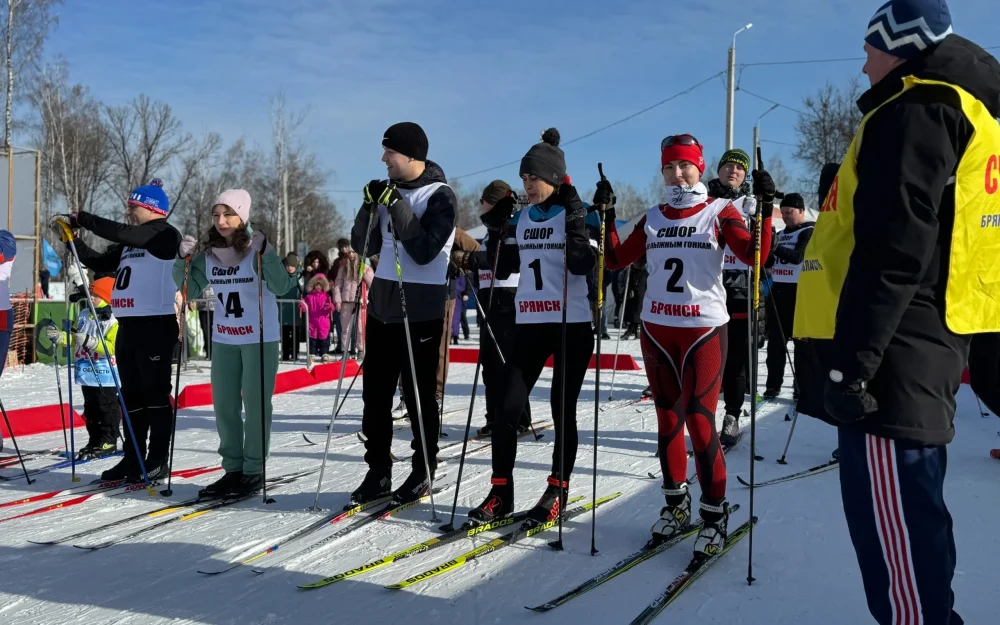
x,y
236,368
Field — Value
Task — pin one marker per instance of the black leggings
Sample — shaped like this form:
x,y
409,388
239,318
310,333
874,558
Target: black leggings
x,y
535,343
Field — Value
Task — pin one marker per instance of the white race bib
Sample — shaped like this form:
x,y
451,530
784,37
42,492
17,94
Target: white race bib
x,y
787,273
144,285
434,272
486,274
685,288
543,260
236,317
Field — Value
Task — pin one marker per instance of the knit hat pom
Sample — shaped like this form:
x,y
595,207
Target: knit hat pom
x,y
156,182
552,137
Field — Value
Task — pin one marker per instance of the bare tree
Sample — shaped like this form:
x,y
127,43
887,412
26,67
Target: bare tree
x,y
467,211
628,201
284,126
657,192
191,163
826,130
145,139
25,25
69,134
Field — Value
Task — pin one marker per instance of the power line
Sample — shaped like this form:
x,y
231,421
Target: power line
x,y
791,145
770,101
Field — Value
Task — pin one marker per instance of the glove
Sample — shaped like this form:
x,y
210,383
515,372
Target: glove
x,y
84,340
53,334
763,186
381,192
605,195
258,241
570,200
186,248
499,215
62,226
462,261
848,401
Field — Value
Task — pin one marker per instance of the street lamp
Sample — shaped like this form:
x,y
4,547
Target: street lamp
x,y
731,95
756,135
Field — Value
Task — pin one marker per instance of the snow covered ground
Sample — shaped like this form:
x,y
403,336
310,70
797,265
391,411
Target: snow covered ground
x,y
803,561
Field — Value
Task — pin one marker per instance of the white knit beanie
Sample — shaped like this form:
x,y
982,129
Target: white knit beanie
x,y
236,199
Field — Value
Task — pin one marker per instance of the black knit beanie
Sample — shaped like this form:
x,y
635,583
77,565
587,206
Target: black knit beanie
x,y
545,160
408,139
793,200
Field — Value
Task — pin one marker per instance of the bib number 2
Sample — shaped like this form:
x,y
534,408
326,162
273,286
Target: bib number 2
x,y
232,305
677,266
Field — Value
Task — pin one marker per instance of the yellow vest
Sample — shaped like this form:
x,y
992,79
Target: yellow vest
x,y
972,295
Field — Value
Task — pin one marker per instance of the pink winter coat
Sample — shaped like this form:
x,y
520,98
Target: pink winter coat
x,y
320,308
346,285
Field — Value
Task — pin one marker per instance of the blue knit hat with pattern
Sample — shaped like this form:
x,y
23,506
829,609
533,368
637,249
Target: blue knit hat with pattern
x,y
151,197
905,28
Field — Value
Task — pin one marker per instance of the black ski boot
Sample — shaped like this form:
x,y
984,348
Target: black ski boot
x,y
157,469
498,504
486,431
98,450
376,485
549,506
676,515
84,452
249,484
771,392
712,537
523,428
416,486
647,392
121,471
222,486
730,430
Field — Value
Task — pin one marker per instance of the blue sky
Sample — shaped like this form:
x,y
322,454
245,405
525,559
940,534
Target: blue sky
x,y
482,78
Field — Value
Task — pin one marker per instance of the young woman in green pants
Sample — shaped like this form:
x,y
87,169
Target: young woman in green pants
x,y
230,265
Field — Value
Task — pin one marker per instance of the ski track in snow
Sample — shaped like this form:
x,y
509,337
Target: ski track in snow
x,y
803,560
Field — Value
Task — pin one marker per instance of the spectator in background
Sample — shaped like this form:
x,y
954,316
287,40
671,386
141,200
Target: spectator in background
x,y
458,320
206,309
43,280
319,304
343,245
464,243
315,263
345,288
291,326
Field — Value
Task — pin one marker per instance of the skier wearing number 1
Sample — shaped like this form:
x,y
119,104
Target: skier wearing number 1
x,y
143,302
684,318
230,267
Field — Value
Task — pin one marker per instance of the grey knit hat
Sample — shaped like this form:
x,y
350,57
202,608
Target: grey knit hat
x,y
545,160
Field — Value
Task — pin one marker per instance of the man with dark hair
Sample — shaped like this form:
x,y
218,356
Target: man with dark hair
x,y
785,264
417,208
899,271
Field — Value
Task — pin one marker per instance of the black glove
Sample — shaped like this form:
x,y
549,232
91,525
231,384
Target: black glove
x,y
570,200
605,194
848,401
381,192
763,186
496,218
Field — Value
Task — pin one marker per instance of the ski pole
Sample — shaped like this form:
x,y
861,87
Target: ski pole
x,y
618,342
62,408
168,491
758,225
561,432
69,391
982,412
450,525
13,439
67,235
343,358
413,371
601,209
263,394
784,342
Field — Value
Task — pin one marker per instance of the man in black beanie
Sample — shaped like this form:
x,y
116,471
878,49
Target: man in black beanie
x,y
785,264
416,206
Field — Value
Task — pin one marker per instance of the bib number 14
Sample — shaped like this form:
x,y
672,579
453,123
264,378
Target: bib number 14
x,y
231,304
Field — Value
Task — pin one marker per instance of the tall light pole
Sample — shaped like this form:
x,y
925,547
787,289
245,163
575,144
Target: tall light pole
x,y
756,135
731,91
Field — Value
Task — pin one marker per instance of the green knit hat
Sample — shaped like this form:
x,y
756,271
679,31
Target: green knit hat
x,y
737,156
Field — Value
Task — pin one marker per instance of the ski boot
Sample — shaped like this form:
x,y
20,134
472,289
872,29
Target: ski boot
x,y
549,506
249,484
647,392
486,431
376,485
498,504
771,392
222,486
675,517
121,471
416,486
97,451
84,452
730,430
523,428
712,537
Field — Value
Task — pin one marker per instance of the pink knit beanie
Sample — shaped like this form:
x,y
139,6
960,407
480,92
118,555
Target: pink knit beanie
x,y
236,199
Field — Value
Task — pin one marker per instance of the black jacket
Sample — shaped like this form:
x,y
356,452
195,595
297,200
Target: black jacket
x,y
890,320
422,239
157,237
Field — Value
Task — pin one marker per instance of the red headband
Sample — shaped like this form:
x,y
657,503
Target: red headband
x,y
678,152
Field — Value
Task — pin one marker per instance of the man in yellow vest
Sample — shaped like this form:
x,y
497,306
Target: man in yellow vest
x,y
900,269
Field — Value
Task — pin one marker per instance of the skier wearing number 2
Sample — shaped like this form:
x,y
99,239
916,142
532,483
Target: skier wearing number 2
x,y
229,266
684,318
554,254
142,254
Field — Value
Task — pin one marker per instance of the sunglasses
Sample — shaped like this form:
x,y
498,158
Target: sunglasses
x,y
678,140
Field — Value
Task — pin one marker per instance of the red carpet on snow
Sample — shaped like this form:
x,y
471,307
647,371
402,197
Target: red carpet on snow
x,y
625,362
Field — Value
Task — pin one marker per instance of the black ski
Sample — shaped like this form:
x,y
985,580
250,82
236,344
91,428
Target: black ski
x,y
822,468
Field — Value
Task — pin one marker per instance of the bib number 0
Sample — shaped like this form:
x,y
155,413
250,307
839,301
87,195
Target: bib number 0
x,y
232,305
677,266
122,278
